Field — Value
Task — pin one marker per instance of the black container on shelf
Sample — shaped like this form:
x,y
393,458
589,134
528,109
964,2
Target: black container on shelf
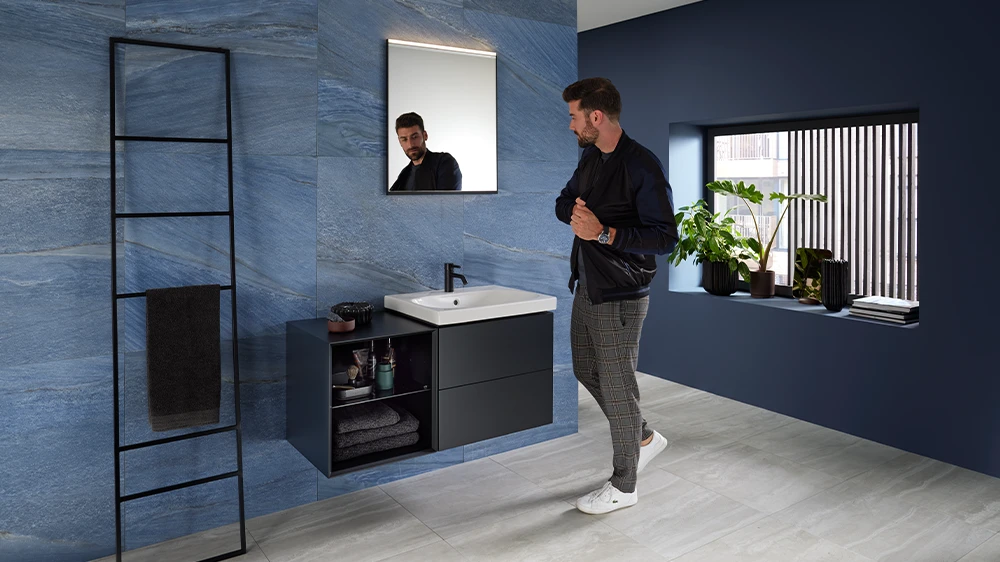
x,y
716,278
361,312
836,281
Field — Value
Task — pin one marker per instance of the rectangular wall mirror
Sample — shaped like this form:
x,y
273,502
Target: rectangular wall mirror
x,y
442,119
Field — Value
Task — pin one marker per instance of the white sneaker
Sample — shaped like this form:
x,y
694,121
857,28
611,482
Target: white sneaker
x,y
606,500
648,451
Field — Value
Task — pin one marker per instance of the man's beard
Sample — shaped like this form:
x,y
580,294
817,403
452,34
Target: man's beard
x,y
417,154
588,136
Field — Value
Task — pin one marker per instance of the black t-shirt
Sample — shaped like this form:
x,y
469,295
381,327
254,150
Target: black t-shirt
x,y
411,181
582,280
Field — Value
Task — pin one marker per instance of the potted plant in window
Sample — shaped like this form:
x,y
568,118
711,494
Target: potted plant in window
x,y
720,250
761,280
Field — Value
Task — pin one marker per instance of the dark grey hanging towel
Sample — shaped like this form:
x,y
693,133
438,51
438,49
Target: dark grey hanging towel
x,y
183,370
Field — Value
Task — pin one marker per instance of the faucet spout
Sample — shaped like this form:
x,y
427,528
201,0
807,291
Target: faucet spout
x,y
450,276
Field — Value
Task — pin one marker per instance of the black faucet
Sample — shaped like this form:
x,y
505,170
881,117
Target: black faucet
x,y
450,276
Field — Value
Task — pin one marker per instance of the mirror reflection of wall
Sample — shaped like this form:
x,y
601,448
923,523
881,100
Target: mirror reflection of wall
x,y
442,119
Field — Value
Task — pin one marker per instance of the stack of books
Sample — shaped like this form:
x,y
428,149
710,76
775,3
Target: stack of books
x,y
887,309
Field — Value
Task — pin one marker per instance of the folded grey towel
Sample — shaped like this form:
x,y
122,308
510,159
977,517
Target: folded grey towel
x,y
183,361
363,416
393,442
407,424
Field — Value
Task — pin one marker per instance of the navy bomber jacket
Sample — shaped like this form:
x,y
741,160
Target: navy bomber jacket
x,y
630,193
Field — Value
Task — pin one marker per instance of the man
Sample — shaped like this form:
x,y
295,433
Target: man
x,y
427,171
618,203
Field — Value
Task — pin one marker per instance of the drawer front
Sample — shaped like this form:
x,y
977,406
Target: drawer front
x,y
481,411
484,351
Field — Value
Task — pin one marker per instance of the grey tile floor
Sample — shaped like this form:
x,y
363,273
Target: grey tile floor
x,y
737,483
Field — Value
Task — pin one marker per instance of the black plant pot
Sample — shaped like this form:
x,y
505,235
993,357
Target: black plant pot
x,y
836,280
717,279
762,284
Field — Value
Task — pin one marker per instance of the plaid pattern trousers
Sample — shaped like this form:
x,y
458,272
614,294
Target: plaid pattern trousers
x,y
605,343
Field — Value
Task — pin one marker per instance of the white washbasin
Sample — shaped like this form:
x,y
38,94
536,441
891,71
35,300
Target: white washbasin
x,y
469,304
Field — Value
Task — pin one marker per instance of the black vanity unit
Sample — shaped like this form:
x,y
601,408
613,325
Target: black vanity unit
x,y
463,382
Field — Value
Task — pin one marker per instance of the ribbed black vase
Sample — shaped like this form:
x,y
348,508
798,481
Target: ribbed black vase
x,y
835,283
717,279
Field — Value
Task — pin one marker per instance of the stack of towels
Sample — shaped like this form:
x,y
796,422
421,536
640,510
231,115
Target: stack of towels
x,y
370,428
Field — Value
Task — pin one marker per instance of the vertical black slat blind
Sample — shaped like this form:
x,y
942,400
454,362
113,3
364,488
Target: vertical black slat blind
x,y
869,172
793,143
892,212
865,217
825,189
883,207
911,231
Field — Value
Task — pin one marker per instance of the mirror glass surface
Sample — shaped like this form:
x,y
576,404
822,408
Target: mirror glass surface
x,y
452,92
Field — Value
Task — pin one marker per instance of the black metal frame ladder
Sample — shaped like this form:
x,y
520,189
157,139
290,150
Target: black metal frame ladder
x,y
115,297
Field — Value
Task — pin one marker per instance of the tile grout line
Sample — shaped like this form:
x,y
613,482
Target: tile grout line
x,y
254,539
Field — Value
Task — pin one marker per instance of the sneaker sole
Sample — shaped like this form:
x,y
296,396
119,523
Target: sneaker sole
x,y
589,511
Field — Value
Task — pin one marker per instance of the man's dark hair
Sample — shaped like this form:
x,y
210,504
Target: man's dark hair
x,y
409,120
595,93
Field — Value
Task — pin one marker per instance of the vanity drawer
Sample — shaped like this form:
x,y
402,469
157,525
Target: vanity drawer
x,y
484,351
481,411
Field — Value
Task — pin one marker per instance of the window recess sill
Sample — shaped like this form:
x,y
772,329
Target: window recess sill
x,y
791,304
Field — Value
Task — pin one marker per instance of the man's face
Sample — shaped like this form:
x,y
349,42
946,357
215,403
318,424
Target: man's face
x,y
412,140
579,122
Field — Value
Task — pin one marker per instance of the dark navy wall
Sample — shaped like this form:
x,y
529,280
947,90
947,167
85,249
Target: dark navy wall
x,y
313,227
932,390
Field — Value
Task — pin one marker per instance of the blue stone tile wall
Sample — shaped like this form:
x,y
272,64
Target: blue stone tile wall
x,y
313,227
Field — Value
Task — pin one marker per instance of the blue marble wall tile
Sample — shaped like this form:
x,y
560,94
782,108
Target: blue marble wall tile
x,y
172,177
536,61
284,28
173,93
276,477
562,12
519,222
174,463
54,61
53,199
134,401
273,67
565,393
59,304
518,176
180,513
352,60
371,244
57,489
275,241
541,50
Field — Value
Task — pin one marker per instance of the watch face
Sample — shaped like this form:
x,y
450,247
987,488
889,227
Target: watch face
x,y
603,238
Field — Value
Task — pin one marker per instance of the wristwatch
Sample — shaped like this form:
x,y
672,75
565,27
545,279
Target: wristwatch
x,y
605,236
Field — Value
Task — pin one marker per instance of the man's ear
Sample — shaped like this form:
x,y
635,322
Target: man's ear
x,y
597,116
425,136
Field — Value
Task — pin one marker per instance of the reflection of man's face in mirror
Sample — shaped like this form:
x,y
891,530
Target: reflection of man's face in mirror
x,y
581,124
413,140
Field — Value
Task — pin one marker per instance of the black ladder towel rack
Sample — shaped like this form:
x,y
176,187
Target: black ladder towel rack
x,y
115,297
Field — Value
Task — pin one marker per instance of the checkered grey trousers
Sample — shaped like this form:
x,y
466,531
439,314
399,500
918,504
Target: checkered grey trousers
x,y
605,342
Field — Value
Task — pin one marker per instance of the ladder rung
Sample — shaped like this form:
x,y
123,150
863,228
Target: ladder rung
x,y
143,294
175,438
182,485
226,556
127,41
172,214
167,139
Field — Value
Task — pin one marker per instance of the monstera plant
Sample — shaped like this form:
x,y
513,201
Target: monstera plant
x,y
713,243
761,280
